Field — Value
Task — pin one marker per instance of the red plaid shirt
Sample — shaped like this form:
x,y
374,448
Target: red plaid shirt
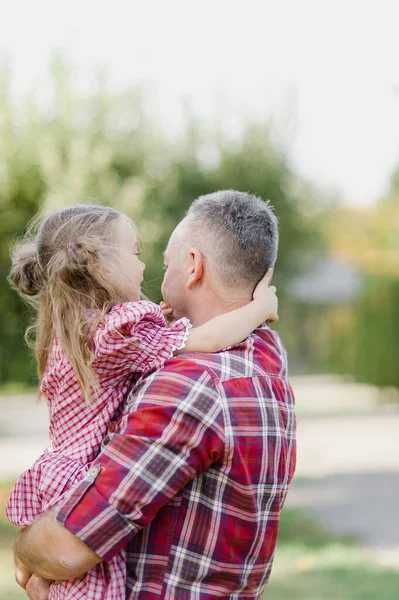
x,y
192,479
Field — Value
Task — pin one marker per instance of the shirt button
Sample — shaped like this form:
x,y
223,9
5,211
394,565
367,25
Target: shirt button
x,y
93,472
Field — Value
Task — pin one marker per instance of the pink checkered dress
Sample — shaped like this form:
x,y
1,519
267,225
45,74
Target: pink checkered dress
x,y
133,339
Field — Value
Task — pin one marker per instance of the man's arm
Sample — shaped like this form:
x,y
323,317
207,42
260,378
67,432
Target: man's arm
x,y
50,551
174,432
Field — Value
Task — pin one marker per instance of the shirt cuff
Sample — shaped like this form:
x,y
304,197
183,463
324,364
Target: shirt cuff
x,y
89,516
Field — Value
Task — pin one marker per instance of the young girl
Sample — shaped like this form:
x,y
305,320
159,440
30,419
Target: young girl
x,y
94,338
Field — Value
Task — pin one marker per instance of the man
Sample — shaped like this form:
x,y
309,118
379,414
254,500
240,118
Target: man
x,y
193,480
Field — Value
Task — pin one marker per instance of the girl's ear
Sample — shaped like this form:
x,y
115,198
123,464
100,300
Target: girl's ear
x,y
196,267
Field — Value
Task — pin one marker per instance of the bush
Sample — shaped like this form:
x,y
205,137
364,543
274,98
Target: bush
x,y
376,334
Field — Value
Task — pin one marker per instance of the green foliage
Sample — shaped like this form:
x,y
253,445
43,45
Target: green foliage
x,y
376,335
108,146
360,340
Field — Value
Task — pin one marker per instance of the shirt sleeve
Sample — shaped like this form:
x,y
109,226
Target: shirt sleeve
x,y
174,433
136,339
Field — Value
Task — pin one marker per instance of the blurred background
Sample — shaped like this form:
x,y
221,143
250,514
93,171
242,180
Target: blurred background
x,y
144,107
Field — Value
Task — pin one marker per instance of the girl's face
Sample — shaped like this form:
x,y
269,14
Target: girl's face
x,y
129,266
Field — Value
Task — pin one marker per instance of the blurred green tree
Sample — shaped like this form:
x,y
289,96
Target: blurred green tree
x,y
363,340
109,148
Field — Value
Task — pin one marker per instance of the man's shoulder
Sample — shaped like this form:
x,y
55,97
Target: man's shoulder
x,y
183,381
178,375
193,366
208,377
262,353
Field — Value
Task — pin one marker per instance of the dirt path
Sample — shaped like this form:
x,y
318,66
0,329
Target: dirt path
x,y
23,433
348,466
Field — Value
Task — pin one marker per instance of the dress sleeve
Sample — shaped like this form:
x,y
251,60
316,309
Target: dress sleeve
x,y
135,338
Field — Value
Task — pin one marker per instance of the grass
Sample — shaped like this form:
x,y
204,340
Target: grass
x,y
12,387
310,564
314,564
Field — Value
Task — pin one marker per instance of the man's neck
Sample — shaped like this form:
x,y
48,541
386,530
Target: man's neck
x,y
214,307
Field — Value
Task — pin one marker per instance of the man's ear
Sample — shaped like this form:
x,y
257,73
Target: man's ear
x,y
196,267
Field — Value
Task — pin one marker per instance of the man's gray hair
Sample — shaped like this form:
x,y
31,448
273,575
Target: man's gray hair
x,y
239,233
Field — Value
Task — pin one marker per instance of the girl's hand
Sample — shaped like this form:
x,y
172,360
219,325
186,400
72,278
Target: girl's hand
x,y
167,312
266,294
38,588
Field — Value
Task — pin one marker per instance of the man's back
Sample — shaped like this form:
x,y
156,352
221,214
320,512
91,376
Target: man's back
x,y
192,478
216,536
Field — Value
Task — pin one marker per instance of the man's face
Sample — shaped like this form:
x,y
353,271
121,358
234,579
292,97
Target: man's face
x,y
174,289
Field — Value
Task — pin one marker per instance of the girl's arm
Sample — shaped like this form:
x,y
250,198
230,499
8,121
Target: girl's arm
x,y
233,327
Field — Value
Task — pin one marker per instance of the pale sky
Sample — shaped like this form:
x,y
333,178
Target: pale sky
x,y
327,71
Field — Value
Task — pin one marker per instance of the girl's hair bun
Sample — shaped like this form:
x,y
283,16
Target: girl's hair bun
x,y
26,275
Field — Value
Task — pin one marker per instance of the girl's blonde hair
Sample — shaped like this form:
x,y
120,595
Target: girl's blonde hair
x,y
64,270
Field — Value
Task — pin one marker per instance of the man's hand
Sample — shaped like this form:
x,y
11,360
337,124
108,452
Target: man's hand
x,y
49,550
38,588
35,587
